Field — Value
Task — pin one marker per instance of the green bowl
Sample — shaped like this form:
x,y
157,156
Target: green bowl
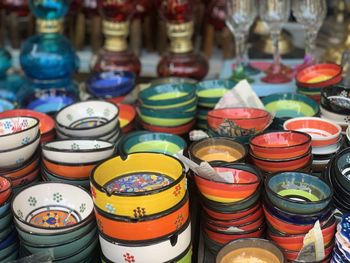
x,y
170,95
184,106
202,113
209,92
151,142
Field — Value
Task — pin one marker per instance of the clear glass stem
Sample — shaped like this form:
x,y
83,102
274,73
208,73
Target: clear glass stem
x,y
276,53
311,36
240,50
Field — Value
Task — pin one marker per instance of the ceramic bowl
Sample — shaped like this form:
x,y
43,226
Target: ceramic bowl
x,y
261,248
341,169
238,121
209,92
298,192
320,75
15,157
8,250
25,168
116,188
334,99
323,132
146,228
5,223
168,247
244,184
6,242
5,189
327,151
248,226
127,117
217,149
240,139
280,144
178,130
17,131
52,208
51,177
335,117
88,118
167,95
27,178
152,142
78,151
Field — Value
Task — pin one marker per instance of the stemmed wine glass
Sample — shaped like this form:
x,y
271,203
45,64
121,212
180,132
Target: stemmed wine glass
x,y
309,13
275,13
240,15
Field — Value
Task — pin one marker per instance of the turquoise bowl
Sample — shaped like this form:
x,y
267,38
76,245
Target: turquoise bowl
x,y
8,250
6,231
12,255
151,142
185,106
209,92
50,177
5,220
63,249
202,113
167,95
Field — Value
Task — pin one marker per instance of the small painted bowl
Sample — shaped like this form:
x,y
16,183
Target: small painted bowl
x,y
335,117
320,75
25,168
238,121
52,208
298,192
217,149
167,95
87,118
178,130
127,117
5,189
78,151
116,188
323,132
17,131
250,246
209,92
244,184
335,99
151,142
280,145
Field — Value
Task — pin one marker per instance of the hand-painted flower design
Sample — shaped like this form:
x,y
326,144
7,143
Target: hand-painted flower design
x,y
25,140
99,225
69,117
19,214
75,146
32,201
129,258
90,111
82,208
179,221
57,197
347,119
106,112
97,146
110,208
8,125
177,190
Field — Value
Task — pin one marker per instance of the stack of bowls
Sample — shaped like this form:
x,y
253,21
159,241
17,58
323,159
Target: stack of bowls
x,y
72,160
289,105
112,86
142,209
341,252
238,123
326,138
294,202
169,108
19,144
231,210
46,125
93,119
57,217
280,151
9,245
250,249
209,93
311,80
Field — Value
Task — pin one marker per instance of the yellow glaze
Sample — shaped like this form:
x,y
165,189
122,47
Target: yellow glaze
x,y
320,78
150,203
165,122
168,95
222,199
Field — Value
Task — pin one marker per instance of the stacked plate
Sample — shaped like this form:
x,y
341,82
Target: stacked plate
x,y
19,144
142,209
72,160
92,119
280,151
59,218
326,138
294,202
232,209
169,108
341,251
209,93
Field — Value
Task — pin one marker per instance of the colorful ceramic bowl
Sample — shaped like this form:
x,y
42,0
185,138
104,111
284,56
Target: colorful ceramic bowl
x,y
320,75
127,117
25,179
5,189
209,92
167,248
217,149
323,132
88,118
249,226
17,131
335,99
251,248
78,151
298,192
25,168
134,186
178,130
52,208
238,121
280,145
151,142
335,117
341,168
244,184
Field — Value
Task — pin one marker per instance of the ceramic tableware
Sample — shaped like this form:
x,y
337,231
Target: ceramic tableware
x,y
178,130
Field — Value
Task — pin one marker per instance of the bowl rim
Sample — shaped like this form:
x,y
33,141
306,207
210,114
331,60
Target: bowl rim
x,y
35,170
173,79
136,194
308,141
210,113
72,164
45,171
308,153
9,185
115,117
202,86
36,125
35,140
46,146
90,217
335,161
257,204
340,70
256,210
268,189
211,224
36,156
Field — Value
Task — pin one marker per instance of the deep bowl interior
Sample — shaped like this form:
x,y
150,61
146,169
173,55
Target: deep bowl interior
x,y
166,92
15,125
280,139
318,73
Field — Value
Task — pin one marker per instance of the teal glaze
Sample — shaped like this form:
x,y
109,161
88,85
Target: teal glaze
x,y
8,250
55,178
5,220
167,113
212,84
11,256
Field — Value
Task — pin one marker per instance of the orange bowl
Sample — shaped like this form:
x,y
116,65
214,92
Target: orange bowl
x,y
127,116
25,179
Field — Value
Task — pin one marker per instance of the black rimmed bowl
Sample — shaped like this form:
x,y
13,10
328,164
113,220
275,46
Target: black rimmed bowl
x,y
341,168
334,99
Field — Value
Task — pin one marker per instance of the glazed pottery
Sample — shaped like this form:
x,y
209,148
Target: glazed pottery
x,y
5,189
178,130
248,226
127,117
341,168
116,188
27,178
5,222
41,208
334,99
51,177
25,168
335,117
